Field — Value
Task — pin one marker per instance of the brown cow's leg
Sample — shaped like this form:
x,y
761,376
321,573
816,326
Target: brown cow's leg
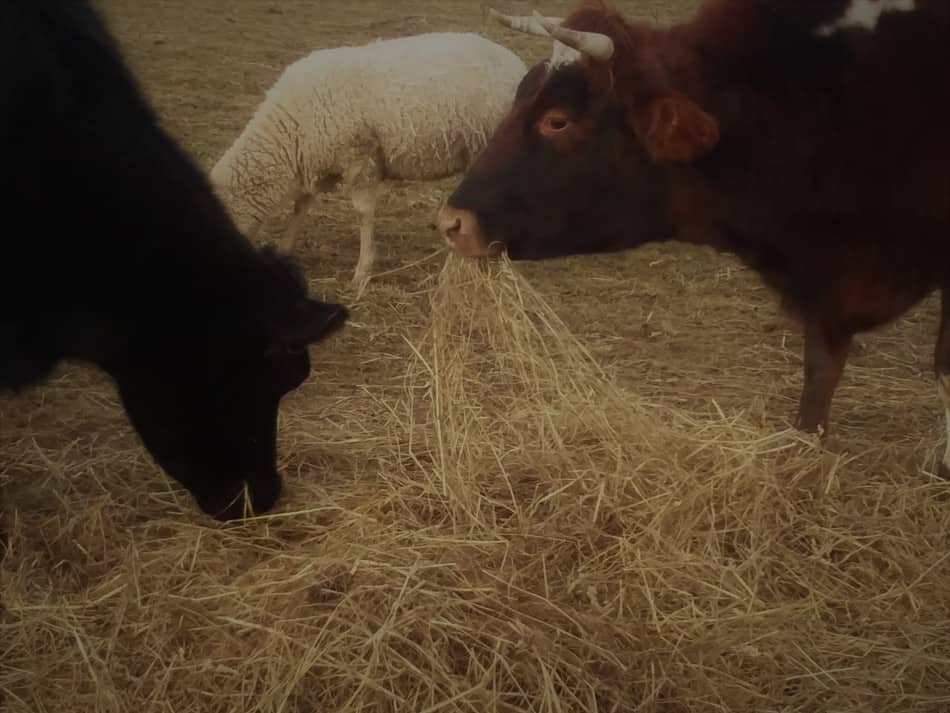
x,y
826,352
942,369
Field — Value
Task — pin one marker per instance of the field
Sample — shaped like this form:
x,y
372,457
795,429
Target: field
x,y
748,569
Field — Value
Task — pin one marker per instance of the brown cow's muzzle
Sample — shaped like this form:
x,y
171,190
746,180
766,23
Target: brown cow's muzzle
x,y
462,233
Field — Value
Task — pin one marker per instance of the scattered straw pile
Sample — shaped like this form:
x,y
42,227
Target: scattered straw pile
x,y
515,534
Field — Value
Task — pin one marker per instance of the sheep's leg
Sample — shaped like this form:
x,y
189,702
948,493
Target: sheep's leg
x,y
362,178
301,206
364,201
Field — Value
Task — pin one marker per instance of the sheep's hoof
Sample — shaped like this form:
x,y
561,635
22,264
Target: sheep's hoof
x,y
358,285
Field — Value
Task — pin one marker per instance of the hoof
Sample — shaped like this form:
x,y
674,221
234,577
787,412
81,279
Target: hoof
x,y
358,285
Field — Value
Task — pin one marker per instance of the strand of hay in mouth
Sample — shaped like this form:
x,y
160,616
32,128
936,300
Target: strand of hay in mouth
x,y
506,530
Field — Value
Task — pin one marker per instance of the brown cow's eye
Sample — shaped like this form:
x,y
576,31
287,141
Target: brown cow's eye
x,y
554,122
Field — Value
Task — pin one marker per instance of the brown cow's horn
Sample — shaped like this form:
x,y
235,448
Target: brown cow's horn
x,y
593,44
522,23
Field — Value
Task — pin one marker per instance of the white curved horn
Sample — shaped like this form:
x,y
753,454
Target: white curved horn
x,y
593,44
522,23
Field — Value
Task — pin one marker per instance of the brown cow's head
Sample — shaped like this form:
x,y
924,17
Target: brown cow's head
x,y
582,162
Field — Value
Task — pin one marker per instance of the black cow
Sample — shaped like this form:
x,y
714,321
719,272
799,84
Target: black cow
x,y
124,258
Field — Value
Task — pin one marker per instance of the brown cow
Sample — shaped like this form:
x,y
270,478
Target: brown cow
x,y
811,139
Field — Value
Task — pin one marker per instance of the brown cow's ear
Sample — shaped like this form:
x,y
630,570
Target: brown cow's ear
x,y
674,128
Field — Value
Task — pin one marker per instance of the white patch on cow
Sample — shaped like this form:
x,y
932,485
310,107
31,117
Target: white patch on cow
x,y
943,391
865,14
561,55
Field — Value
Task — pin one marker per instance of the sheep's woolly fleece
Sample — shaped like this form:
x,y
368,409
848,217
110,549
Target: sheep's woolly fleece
x,y
414,108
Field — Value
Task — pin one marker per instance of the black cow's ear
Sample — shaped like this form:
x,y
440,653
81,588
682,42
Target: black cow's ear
x,y
310,322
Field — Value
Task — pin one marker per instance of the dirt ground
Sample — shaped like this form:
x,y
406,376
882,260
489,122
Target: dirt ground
x,y
677,324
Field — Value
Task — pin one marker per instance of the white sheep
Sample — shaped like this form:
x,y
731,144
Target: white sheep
x,y
416,108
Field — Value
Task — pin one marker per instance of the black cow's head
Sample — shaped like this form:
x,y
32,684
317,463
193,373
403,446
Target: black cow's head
x,y
581,163
202,390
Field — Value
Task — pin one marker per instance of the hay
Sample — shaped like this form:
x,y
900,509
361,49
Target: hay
x,y
507,531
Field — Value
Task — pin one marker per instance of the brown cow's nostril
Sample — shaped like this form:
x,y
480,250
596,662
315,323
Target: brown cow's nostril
x,y
460,230
453,230
450,223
